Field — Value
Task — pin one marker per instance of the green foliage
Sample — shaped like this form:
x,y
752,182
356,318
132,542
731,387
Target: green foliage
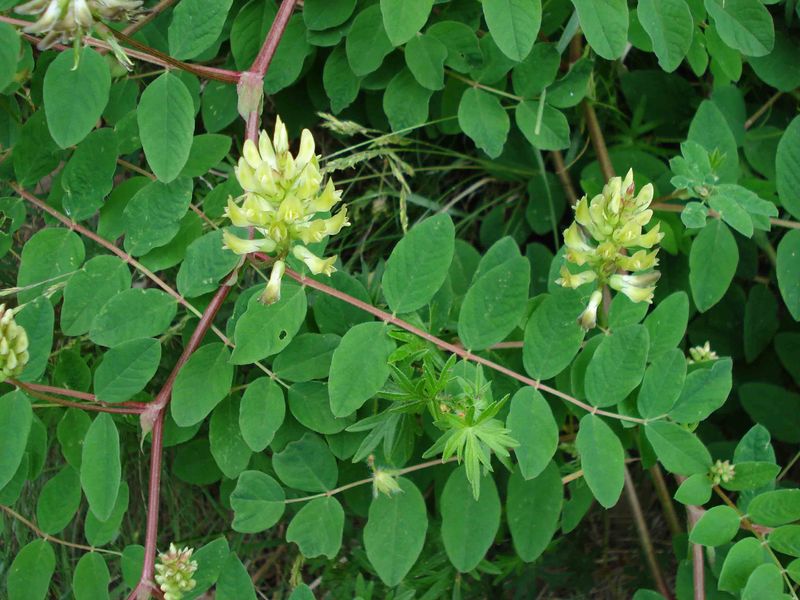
x,y
421,415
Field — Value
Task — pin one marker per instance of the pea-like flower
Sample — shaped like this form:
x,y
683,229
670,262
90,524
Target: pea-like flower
x,y
68,20
13,345
282,201
174,572
608,239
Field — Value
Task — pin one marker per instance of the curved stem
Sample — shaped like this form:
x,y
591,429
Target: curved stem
x,y
644,536
149,16
143,53
133,408
678,208
264,58
457,350
49,538
154,416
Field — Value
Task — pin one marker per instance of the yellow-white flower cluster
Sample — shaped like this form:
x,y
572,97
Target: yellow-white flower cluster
x,y
283,196
13,345
66,20
608,238
174,572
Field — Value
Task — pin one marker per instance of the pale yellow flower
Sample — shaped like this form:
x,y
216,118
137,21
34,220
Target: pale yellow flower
x,y
608,237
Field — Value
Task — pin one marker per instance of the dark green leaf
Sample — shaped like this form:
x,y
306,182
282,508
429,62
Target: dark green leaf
x,y
166,125
532,424
602,458
348,393
712,264
679,450
716,527
257,502
705,390
533,510
403,19
494,304
605,24
266,329
16,417
484,120
408,287
261,412
195,26
30,573
74,98
395,531
132,314
468,525
514,25
100,466
617,366
201,384
307,464
788,270
48,257
317,528
126,369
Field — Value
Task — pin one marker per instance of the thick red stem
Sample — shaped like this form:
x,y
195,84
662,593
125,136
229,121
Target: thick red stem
x,y
264,58
154,415
260,65
151,56
125,408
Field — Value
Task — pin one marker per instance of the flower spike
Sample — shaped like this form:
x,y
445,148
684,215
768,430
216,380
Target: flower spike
x,y
607,238
283,194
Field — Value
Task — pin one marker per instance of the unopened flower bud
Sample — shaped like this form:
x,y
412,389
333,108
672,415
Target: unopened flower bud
x,y
272,293
588,318
315,264
639,288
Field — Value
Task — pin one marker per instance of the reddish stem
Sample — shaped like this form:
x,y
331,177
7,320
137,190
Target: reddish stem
x,y
105,244
49,389
457,350
264,58
251,129
151,56
126,409
154,414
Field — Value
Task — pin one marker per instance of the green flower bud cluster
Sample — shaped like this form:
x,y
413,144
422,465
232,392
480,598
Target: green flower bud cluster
x,y
607,238
174,572
13,345
66,20
699,354
721,471
283,196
